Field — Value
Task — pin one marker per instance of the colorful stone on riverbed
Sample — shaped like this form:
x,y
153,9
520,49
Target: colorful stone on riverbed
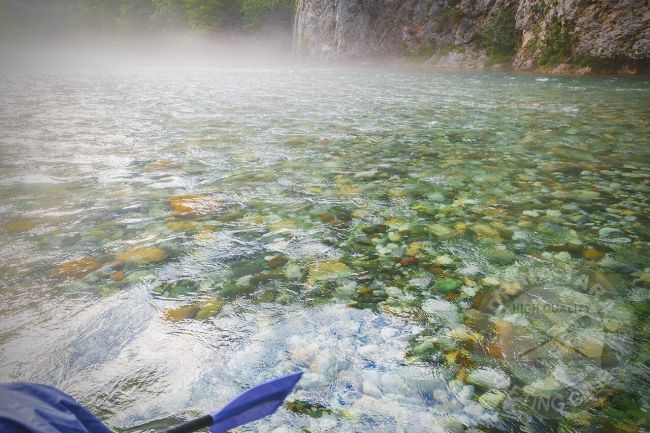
x,y
328,270
143,255
448,285
21,225
76,268
201,311
196,205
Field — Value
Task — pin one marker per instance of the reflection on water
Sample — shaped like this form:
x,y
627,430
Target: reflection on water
x,y
437,252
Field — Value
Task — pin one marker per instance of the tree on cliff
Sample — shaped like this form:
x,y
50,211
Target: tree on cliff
x,y
148,15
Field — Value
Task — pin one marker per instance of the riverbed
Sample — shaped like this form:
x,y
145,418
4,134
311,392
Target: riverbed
x,y
435,251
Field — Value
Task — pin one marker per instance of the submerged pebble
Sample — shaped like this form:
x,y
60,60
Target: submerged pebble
x,y
417,263
195,205
76,268
489,378
143,255
439,311
328,270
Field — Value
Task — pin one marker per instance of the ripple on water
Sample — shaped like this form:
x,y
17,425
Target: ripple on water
x,y
437,198
353,362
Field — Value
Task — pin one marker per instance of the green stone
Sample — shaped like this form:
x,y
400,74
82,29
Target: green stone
x,y
448,285
501,257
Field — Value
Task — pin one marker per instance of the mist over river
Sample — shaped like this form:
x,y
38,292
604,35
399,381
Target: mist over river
x,y
438,252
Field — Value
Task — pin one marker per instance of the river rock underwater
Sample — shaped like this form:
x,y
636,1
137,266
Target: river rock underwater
x,y
437,252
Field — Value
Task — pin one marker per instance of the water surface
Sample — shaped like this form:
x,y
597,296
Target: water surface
x,y
437,252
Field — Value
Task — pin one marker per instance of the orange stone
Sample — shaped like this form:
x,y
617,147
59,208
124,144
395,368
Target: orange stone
x,y
408,261
76,268
143,255
494,350
20,225
459,357
592,254
505,334
162,164
181,313
197,205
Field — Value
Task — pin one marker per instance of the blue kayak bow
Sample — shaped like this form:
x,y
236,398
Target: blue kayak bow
x,y
253,404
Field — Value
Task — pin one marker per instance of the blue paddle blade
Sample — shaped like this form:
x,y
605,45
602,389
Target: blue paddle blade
x,y
253,404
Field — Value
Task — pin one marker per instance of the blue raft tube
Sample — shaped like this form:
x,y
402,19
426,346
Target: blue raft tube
x,y
33,408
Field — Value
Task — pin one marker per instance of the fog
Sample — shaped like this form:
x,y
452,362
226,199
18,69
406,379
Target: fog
x,y
164,50
55,36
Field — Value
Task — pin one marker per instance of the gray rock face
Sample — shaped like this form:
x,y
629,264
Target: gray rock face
x,y
613,30
608,30
360,28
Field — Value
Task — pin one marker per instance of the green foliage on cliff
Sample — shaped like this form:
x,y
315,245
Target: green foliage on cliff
x,y
557,45
500,33
430,48
499,37
448,18
259,12
169,13
423,51
149,15
583,61
215,14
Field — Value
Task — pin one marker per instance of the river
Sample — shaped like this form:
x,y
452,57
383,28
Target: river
x,y
437,252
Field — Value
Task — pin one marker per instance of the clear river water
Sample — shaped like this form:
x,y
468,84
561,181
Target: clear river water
x,y
436,252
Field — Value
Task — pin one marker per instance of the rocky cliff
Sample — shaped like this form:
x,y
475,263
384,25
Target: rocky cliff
x,y
552,35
